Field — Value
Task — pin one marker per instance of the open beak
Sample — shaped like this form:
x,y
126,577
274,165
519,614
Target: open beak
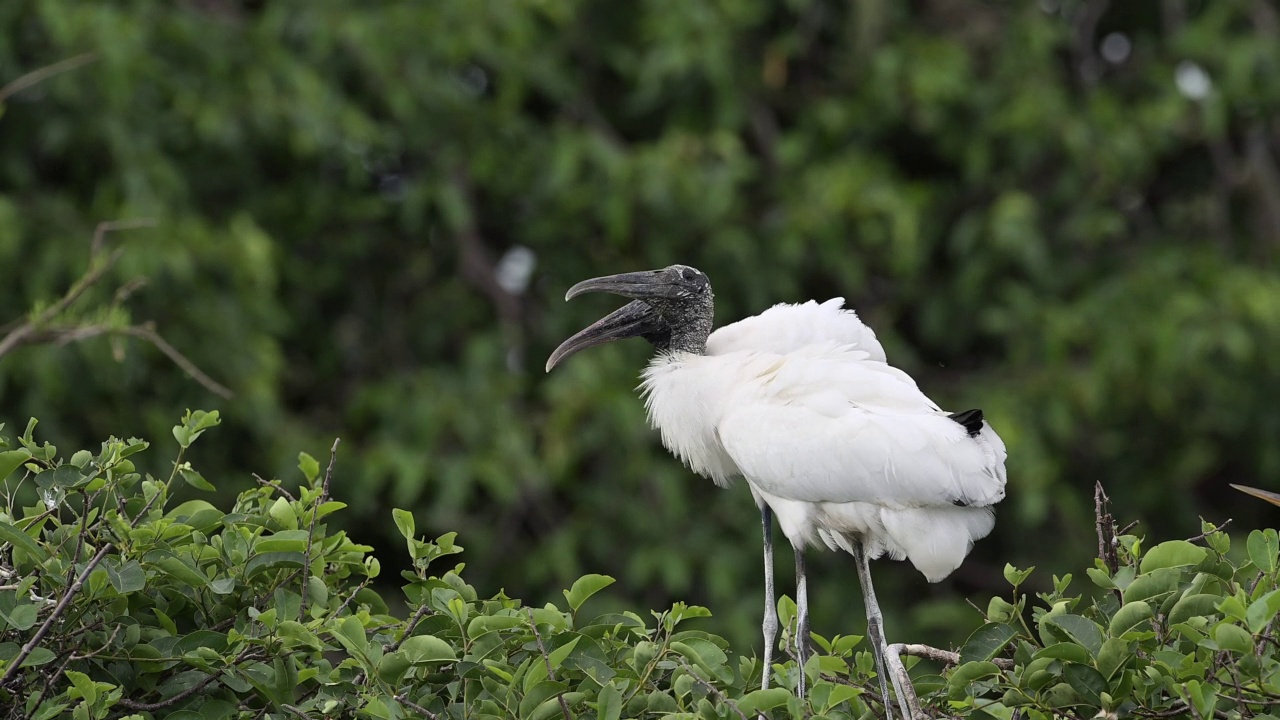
x,y
634,285
631,320
1267,495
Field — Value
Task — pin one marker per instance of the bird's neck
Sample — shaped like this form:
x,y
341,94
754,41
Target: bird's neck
x,y
689,334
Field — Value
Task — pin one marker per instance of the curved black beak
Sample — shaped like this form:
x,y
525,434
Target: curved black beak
x,y
631,320
635,285
634,318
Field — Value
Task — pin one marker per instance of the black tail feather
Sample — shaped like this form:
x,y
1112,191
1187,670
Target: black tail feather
x,y
970,419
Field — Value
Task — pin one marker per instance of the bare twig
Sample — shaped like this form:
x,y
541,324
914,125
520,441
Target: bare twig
x,y
148,707
274,485
1202,535
416,707
551,675
311,531
943,656
1106,528
19,334
100,232
423,609
719,696
866,691
147,332
36,329
70,592
44,73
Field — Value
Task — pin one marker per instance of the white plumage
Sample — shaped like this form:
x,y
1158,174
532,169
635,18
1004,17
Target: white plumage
x,y
840,445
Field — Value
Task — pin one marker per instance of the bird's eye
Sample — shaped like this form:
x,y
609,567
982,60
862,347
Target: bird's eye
x,y
687,275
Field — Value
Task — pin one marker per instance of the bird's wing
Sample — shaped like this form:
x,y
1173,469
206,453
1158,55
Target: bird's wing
x,y
785,328
832,425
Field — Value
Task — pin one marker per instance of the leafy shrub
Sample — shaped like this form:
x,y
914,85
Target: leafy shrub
x,y
117,602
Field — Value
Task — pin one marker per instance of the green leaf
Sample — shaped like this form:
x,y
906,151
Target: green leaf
x,y
309,466
283,513
540,693
181,570
1262,611
1189,606
1128,616
65,476
556,657
263,562
1153,586
298,633
609,703
987,642
422,649
1263,548
1082,630
969,672
392,667
130,578
1233,637
1065,651
82,687
21,617
1086,681
584,587
9,533
350,632
404,522
11,460
758,700
283,541
1115,654
1172,553
1016,577
39,656
196,480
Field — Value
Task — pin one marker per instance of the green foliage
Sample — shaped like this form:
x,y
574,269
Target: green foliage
x,y
118,600
1074,244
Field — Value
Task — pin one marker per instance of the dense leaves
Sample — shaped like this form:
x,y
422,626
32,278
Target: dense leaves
x,y
118,601
1062,212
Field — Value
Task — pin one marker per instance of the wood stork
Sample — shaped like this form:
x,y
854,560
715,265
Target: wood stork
x,y
841,447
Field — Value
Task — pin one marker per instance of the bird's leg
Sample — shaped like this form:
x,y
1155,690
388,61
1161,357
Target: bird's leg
x,y
770,626
875,627
802,618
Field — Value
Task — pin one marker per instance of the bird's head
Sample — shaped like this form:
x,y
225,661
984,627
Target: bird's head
x,y
671,308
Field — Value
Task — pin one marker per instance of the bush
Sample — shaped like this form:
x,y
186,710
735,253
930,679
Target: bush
x,y
118,601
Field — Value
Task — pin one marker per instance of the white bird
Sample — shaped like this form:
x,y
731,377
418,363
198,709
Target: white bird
x,y
840,446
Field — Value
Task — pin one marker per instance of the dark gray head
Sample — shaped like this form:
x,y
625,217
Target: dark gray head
x,y
672,308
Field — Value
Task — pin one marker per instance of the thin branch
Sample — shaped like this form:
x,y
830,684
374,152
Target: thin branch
x,y
19,334
423,609
943,656
148,333
1203,535
100,232
551,675
274,485
70,592
416,707
719,696
44,73
311,530
148,707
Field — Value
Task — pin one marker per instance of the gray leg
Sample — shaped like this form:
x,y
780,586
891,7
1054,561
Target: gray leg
x,y
770,627
802,618
875,627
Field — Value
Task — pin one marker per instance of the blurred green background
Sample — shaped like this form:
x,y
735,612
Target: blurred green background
x,y
1066,213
